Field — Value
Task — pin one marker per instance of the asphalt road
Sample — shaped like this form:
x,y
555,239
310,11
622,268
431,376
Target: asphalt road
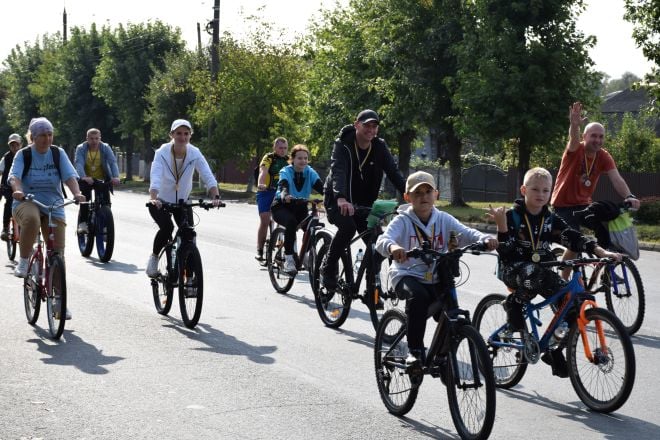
x,y
260,365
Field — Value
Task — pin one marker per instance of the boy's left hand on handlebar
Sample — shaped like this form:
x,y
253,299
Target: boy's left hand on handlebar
x,y
491,243
398,253
79,197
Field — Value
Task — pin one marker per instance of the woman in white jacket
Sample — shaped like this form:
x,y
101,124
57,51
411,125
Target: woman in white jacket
x,y
171,180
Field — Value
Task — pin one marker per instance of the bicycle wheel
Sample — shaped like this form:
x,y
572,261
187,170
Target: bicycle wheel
x,y
625,296
105,234
191,285
12,239
470,385
321,238
161,286
603,383
333,306
56,300
280,280
32,293
86,239
509,365
397,391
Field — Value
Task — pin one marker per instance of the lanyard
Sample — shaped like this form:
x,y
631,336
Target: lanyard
x,y
422,237
535,256
178,173
589,168
357,154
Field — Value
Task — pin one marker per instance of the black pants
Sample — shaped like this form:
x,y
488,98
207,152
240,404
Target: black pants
x,y
86,190
289,215
164,221
420,297
347,226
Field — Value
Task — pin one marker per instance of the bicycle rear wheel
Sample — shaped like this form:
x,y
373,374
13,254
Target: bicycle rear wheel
x,y
86,239
509,365
191,285
162,286
12,239
605,382
280,280
470,385
625,295
321,238
333,306
105,234
56,299
396,389
32,293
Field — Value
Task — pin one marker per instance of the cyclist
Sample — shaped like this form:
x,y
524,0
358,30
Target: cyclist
x,y
269,175
358,161
525,233
94,160
171,179
419,222
15,143
296,181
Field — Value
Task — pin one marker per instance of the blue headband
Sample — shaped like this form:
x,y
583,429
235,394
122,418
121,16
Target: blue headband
x,y
39,126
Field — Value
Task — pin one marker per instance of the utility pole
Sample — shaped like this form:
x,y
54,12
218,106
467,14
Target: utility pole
x,y
199,39
64,36
215,42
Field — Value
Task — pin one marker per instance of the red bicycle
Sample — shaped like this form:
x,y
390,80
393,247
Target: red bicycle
x,y
46,278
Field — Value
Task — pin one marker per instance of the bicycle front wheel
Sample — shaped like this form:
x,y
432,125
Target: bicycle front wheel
x,y
397,391
333,306
32,293
161,286
625,294
382,299
280,280
191,285
12,239
56,299
603,376
470,385
105,234
86,239
509,365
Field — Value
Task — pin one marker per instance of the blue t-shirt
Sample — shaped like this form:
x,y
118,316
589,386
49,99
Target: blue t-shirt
x,y
287,173
42,179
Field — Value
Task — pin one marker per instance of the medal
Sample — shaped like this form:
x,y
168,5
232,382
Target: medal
x,y
588,169
587,183
536,257
428,276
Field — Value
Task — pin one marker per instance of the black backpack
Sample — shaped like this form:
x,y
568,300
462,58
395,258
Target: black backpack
x,y
27,162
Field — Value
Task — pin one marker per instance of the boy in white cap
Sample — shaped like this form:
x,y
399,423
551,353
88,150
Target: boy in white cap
x,y
413,279
15,143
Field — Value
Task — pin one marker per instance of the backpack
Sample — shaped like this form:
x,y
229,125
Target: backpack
x,y
27,162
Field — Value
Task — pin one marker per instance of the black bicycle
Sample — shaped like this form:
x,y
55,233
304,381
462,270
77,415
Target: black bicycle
x,y
180,265
314,236
457,355
334,305
100,224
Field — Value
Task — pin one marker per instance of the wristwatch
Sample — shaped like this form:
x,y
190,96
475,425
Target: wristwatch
x,y
631,196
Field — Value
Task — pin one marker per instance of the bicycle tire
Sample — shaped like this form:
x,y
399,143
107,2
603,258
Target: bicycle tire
x,y
191,284
333,306
56,293
32,294
628,303
11,241
86,239
509,364
162,286
386,295
605,384
471,399
280,280
397,391
321,238
105,234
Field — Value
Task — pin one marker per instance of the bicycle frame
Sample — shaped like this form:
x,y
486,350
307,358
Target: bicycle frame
x,y
312,223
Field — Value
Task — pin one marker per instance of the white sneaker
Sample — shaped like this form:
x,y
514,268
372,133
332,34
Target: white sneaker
x,y
82,228
56,310
152,266
290,265
21,268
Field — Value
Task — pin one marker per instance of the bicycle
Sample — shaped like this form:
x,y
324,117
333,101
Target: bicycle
x,y
100,224
601,367
457,355
13,238
46,277
334,306
180,265
306,257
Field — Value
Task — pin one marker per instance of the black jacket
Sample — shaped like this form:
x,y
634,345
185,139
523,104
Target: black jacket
x,y
342,181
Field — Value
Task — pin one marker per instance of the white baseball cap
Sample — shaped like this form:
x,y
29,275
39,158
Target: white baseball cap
x,y
178,123
15,137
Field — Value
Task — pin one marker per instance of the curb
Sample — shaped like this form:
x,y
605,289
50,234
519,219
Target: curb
x,y
486,227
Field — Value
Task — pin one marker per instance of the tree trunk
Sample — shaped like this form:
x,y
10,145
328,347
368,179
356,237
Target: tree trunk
x,y
454,147
524,154
405,141
148,151
129,157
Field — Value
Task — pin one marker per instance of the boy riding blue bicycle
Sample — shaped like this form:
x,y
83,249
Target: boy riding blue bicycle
x,y
525,233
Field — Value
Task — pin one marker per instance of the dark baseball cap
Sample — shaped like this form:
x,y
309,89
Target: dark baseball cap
x,y
368,116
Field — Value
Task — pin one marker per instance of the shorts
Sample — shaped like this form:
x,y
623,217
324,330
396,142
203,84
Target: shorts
x,y
566,213
264,200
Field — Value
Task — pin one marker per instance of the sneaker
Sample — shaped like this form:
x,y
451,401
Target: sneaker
x,y
260,256
557,361
56,310
290,265
82,228
21,268
414,363
152,266
4,236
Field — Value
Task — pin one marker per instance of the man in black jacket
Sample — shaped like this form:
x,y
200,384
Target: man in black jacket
x,y
359,159
15,143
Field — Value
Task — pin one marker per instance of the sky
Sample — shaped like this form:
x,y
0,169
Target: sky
x,y
25,20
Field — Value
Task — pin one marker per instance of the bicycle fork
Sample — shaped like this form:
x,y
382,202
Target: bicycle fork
x,y
582,326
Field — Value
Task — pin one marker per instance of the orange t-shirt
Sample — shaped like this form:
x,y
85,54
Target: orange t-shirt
x,y
570,188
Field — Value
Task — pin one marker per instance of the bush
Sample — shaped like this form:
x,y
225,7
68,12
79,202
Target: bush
x,y
649,211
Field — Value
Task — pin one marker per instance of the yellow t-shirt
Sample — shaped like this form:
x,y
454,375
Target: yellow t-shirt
x,y
93,165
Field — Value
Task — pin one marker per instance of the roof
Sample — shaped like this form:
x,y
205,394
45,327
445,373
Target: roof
x,y
626,101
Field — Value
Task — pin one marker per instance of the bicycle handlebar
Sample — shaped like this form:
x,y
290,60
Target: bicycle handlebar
x,y
187,203
576,262
425,251
65,202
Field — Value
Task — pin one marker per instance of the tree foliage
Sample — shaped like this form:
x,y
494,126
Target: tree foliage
x,y
645,16
635,146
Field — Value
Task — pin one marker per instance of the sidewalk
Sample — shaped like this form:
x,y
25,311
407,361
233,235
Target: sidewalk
x,y
491,228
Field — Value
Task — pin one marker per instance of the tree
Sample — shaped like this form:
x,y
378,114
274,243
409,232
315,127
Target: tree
x,y
644,14
635,147
626,81
521,64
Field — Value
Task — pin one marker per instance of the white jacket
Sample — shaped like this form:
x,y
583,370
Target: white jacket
x,y
401,231
163,178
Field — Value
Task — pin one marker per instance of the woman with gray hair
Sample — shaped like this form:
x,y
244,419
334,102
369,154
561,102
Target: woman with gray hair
x,y
35,171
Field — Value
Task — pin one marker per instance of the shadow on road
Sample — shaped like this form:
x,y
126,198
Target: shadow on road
x,y
639,339
114,266
73,351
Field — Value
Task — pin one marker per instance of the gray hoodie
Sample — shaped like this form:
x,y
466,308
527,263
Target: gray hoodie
x,y
402,231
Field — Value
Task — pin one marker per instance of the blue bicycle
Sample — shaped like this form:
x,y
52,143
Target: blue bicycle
x,y
600,355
